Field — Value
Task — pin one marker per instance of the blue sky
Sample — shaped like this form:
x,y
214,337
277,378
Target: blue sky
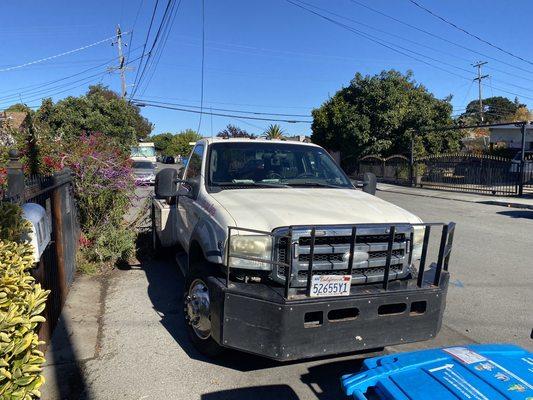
x,y
266,56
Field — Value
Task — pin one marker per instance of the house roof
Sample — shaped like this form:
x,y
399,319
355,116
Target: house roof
x,y
12,119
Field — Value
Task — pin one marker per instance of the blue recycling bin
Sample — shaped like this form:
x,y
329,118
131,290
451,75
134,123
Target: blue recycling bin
x,y
475,372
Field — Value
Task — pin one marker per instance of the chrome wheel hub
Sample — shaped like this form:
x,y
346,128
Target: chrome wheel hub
x,y
197,309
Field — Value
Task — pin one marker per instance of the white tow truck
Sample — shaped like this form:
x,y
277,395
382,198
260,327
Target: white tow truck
x,y
283,256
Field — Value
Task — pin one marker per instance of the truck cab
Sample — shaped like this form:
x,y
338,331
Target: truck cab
x,y
283,256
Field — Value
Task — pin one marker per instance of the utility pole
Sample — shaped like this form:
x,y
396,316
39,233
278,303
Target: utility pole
x,y
479,79
121,63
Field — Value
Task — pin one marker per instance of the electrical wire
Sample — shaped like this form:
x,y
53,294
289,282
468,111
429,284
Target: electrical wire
x,y
133,27
35,87
163,23
391,47
160,48
224,109
59,55
437,36
290,121
418,44
144,47
468,33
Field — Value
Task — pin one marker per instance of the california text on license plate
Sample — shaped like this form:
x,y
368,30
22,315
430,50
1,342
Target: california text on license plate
x,y
330,285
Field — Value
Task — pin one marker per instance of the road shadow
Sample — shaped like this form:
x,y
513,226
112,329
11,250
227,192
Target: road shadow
x,y
267,392
524,214
68,381
165,291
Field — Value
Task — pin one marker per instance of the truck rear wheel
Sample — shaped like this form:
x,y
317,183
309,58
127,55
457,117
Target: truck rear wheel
x,y
197,311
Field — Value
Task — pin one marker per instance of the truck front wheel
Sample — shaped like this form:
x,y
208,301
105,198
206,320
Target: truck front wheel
x,y
197,311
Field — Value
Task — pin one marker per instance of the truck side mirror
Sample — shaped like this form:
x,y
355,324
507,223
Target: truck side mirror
x,y
369,183
166,183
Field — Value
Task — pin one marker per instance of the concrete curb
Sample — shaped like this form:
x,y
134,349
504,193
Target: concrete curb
x,y
415,192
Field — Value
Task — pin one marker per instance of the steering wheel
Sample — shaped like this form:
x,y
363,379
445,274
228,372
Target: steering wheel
x,y
274,175
306,175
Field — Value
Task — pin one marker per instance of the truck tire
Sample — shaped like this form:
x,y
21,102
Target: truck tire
x,y
197,311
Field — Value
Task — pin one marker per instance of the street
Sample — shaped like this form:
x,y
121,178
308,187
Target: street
x,y
145,353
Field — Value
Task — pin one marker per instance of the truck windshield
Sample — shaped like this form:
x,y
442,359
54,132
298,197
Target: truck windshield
x,y
143,165
269,164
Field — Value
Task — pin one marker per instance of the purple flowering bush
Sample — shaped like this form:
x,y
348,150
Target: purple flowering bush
x,y
103,187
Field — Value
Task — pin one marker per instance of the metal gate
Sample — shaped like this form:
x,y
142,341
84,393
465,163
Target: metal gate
x,y
469,173
57,266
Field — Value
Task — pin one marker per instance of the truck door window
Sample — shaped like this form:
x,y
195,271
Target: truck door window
x,y
194,167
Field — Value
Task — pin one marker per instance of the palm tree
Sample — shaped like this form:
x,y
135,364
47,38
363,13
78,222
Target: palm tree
x,y
274,132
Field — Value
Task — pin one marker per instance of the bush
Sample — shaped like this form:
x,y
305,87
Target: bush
x,y
21,303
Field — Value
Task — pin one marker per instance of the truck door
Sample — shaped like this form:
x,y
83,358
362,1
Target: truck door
x,y
188,212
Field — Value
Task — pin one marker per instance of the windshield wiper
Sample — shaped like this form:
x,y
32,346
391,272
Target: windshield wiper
x,y
317,184
256,184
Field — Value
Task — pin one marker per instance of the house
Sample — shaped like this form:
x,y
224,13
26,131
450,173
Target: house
x,y
11,121
510,136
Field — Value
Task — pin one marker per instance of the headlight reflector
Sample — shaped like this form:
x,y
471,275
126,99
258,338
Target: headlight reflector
x,y
418,241
257,246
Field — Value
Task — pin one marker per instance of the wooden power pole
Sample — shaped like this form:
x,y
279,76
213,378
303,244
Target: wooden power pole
x,y
479,78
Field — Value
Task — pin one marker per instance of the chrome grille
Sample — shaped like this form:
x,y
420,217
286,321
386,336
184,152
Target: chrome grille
x,y
332,253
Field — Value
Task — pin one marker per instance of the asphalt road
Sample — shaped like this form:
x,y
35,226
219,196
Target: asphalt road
x,y
145,352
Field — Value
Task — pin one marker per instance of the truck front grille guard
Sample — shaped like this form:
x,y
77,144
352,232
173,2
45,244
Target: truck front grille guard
x,y
443,259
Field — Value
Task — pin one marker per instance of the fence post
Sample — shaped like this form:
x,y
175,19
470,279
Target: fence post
x,y
412,158
59,240
15,177
522,160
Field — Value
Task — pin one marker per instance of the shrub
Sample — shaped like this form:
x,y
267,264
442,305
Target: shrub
x,y
21,303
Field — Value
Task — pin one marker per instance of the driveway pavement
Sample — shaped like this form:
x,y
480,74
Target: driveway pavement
x,y
141,350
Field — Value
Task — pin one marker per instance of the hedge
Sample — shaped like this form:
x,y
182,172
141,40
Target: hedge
x,y
21,303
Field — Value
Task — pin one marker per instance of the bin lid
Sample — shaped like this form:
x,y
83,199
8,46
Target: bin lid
x,y
475,372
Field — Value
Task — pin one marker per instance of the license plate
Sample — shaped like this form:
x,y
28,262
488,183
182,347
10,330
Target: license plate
x,y
330,285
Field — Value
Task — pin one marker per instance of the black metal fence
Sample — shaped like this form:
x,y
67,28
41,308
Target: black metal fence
x,y
395,168
477,173
469,173
57,265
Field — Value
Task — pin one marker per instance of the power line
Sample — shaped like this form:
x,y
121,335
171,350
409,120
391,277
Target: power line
x,y
144,47
36,87
162,26
202,68
391,47
224,109
468,33
290,121
437,36
416,43
379,41
46,92
160,48
59,55
133,26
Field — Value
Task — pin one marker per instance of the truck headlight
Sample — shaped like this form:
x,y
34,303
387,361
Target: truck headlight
x,y
256,246
418,241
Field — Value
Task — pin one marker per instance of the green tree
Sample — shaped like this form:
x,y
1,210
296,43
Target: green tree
x,y
274,131
162,142
232,131
495,109
376,115
99,110
180,142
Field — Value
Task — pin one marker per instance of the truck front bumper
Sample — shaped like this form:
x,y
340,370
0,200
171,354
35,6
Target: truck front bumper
x,y
255,319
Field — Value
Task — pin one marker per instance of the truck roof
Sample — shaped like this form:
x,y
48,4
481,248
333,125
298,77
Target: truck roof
x,y
256,140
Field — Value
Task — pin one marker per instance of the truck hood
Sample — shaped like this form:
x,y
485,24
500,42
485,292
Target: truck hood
x,y
267,209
